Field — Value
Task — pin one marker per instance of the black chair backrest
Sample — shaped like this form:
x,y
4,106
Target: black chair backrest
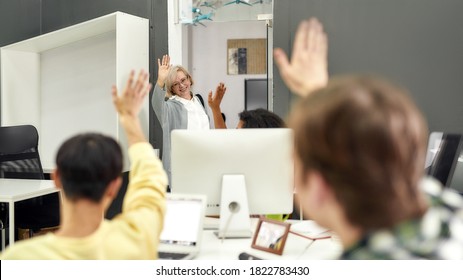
x,y
19,156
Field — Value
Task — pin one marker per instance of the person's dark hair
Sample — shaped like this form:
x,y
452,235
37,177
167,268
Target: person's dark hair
x,y
87,163
368,141
261,118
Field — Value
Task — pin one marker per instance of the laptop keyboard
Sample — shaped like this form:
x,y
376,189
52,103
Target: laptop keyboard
x,y
171,256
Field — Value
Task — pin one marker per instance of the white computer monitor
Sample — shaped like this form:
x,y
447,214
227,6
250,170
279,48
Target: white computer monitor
x,y
200,159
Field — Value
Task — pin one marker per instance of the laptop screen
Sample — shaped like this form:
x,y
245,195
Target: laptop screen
x,y
182,221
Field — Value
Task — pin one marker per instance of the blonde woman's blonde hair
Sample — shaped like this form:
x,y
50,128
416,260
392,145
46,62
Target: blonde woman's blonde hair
x,y
170,80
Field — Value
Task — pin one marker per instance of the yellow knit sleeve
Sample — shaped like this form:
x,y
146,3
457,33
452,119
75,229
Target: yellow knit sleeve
x,y
148,181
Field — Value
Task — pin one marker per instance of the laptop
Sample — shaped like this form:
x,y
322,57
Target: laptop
x,y
183,224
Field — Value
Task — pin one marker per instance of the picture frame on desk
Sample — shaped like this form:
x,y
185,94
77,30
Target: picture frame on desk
x,y
270,236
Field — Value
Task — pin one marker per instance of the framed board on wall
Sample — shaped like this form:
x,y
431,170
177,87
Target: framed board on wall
x,y
246,56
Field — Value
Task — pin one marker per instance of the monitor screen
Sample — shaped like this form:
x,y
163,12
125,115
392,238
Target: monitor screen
x,y
182,221
444,159
255,94
200,159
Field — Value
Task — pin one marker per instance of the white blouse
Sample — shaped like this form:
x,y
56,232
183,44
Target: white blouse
x,y
197,117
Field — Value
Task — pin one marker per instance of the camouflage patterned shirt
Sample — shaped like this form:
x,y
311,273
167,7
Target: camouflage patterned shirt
x,y
438,234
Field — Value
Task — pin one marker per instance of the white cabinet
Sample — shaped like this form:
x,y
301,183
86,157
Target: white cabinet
x,y
60,82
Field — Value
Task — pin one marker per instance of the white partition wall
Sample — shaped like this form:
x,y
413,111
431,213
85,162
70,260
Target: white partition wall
x,y
60,82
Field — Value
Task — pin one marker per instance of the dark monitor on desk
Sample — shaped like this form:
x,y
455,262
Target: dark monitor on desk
x,y
444,159
255,94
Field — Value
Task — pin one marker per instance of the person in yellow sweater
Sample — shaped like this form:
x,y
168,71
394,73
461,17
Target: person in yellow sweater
x,y
88,174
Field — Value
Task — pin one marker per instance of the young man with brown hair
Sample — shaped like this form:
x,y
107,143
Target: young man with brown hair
x,y
359,157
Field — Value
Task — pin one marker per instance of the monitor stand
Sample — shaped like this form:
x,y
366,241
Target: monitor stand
x,y
234,209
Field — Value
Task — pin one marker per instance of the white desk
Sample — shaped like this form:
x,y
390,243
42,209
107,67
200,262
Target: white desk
x,y
296,247
14,190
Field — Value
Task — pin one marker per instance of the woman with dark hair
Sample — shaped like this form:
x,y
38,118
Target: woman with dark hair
x,y
258,118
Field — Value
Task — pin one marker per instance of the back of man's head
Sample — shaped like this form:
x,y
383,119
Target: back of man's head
x,y
367,139
86,164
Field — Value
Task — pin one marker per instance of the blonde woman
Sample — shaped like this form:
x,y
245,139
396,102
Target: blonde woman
x,y
175,106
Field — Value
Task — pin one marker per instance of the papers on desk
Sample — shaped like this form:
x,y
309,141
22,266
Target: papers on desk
x,y
307,228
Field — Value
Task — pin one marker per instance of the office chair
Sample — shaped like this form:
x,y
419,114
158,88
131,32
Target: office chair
x,y
115,207
19,159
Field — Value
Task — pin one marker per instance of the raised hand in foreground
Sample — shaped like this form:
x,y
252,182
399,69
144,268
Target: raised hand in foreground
x,y
308,69
128,104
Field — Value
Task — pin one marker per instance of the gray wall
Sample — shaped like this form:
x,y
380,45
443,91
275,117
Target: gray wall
x,y
19,20
22,19
415,43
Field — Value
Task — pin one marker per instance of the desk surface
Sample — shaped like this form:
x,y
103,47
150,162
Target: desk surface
x,y
212,248
296,247
12,190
